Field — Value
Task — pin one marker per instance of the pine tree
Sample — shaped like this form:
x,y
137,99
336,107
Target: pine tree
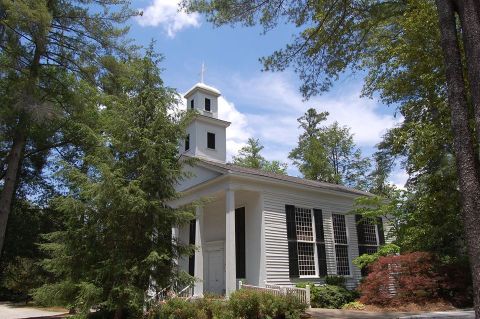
x,y
249,156
46,47
117,241
328,153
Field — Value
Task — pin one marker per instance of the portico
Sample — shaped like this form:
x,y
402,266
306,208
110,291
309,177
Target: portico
x,y
222,224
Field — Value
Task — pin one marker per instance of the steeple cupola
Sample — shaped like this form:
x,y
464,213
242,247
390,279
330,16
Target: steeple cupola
x,y
206,133
204,99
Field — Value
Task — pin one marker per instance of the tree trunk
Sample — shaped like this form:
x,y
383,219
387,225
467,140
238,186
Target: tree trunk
x,y
469,12
466,161
10,182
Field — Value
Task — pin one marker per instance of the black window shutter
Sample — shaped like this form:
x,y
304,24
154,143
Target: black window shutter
x,y
291,226
292,241
317,214
322,260
240,241
320,237
191,241
381,235
360,230
293,259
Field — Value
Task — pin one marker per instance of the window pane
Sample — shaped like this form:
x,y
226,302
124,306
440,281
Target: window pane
x,y
343,267
211,140
366,250
303,220
369,231
306,260
207,104
187,142
192,104
339,229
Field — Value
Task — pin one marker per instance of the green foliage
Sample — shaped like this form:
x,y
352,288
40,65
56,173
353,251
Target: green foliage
x,y
250,304
328,153
176,308
243,303
117,237
249,156
50,61
20,275
366,259
19,269
335,281
332,296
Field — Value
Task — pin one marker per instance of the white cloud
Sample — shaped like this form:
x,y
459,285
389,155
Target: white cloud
x,y
168,14
239,131
274,93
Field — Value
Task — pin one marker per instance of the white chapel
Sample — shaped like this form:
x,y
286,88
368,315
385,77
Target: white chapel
x,y
258,227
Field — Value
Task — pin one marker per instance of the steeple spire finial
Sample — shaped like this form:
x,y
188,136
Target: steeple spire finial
x,y
202,72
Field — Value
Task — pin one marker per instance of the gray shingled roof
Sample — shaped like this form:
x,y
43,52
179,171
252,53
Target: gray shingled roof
x,y
256,172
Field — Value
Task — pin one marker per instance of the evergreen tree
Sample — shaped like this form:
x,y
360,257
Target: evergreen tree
x,y
47,46
328,153
249,156
117,241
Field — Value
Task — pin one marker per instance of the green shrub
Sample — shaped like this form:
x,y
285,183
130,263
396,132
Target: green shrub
x,y
250,304
330,296
213,308
363,261
176,308
335,281
245,304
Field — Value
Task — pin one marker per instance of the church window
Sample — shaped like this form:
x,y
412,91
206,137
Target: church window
x,y
306,242
192,104
211,140
306,255
207,104
369,234
341,244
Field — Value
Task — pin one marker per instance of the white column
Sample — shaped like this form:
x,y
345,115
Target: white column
x,y
198,272
175,234
262,278
230,258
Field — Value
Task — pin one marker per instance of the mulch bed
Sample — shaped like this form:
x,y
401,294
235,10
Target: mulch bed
x,y
413,307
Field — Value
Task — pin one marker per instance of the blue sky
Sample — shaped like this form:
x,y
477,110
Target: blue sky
x,y
259,104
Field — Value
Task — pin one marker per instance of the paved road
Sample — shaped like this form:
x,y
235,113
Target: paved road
x,y
461,314
351,314
10,311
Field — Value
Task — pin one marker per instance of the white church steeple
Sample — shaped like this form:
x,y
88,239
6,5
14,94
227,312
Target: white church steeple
x,y
206,133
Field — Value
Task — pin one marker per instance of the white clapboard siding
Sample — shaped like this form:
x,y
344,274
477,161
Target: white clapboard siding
x,y
276,242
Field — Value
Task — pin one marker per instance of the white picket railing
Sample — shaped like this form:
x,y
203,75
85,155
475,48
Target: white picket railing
x,y
186,292
302,294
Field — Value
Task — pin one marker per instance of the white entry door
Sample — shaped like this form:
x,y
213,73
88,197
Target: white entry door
x,y
215,272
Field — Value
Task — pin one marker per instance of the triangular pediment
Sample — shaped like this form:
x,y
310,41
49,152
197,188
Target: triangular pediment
x,y
195,175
